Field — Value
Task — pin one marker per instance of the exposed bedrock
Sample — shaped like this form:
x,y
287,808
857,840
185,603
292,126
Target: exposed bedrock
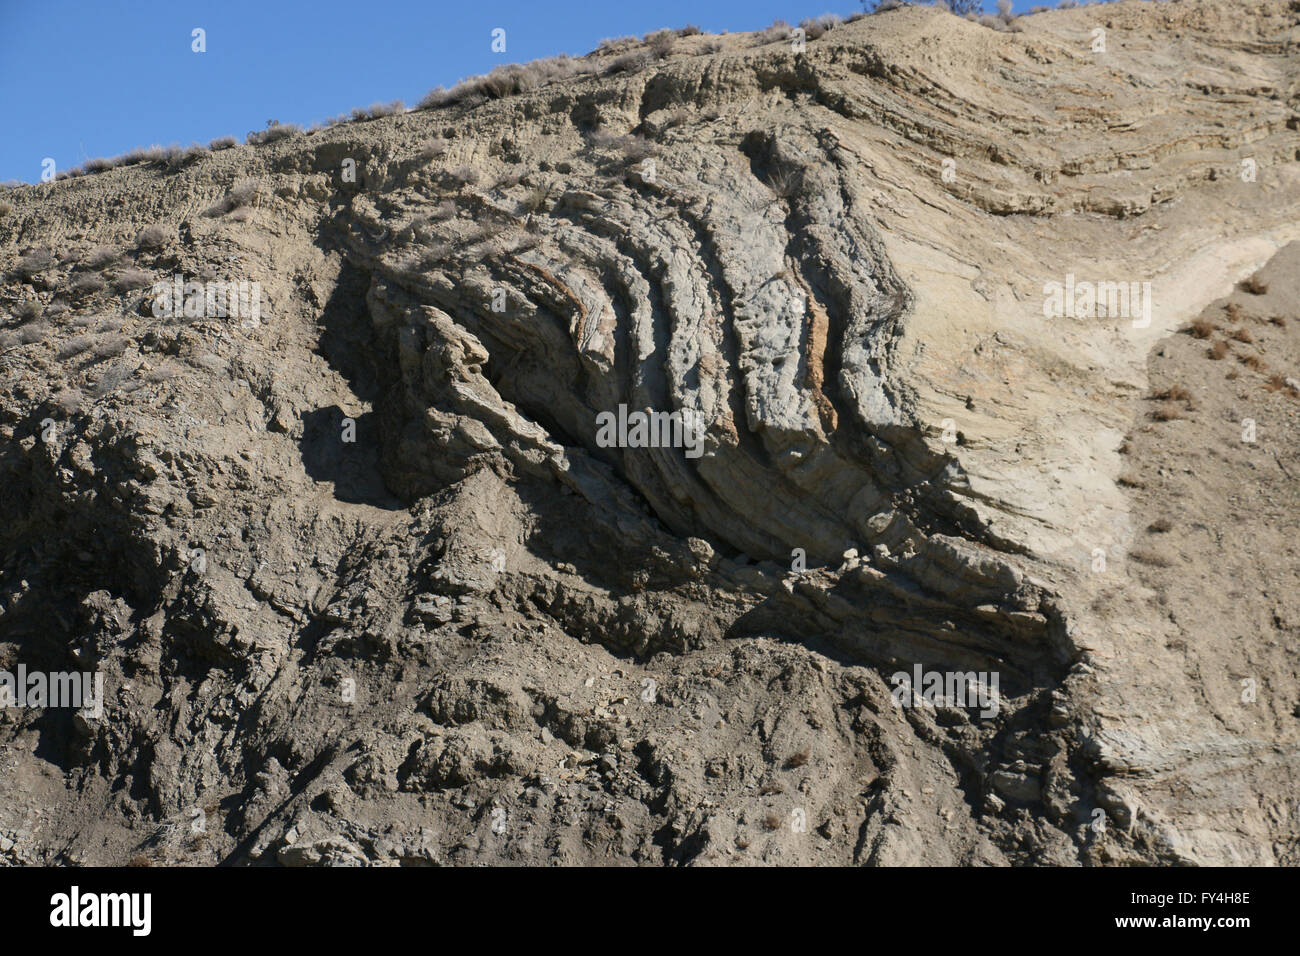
x,y
368,584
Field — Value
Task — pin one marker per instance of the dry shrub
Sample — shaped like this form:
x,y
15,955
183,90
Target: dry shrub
x,y
1255,285
433,149
1174,393
1253,362
1218,350
274,131
537,198
109,346
88,284
1242,335
223,142
690,30
1167,412
779,30
463,175
616,44
1233,311
504,81
5,209
152,238
128,280
1160,526
636,148
816,27
508,180
1202,329
28,310
633,62
75,346
101,257
68,401
661,43
164,372
243,193
36,332
434,256
1152,558
1278,321
800,758
34,263
785,179
443,211
378,110
772,821
436,98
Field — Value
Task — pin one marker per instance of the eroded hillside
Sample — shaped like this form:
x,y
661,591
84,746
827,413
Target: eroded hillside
x,y
365,587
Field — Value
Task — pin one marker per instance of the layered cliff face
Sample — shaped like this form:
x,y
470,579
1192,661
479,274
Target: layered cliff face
x,y
366,584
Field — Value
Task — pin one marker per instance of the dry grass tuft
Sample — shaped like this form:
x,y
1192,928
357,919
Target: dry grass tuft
x,y
632,62
1151,558
87,284
153,238
101,257
1174,393
800,758
75,346
34,263
779,30
128,280
274,131
1255,285
815,28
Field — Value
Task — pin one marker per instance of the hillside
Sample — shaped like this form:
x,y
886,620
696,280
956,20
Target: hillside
x,y
367,586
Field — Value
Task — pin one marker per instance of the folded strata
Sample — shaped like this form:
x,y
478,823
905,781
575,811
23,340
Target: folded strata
x,y
434,619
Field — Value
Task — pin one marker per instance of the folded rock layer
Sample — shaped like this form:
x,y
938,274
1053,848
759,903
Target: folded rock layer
x,y
368,584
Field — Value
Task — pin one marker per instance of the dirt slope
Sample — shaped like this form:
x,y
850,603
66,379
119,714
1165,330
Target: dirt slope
x,y
366,587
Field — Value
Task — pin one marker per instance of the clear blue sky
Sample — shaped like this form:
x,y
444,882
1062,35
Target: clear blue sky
x,y
98,77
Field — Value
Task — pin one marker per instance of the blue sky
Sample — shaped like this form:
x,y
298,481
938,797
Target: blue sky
x,y
99,77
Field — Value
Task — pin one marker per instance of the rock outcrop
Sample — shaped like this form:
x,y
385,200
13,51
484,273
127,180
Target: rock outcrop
x,y
366,584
